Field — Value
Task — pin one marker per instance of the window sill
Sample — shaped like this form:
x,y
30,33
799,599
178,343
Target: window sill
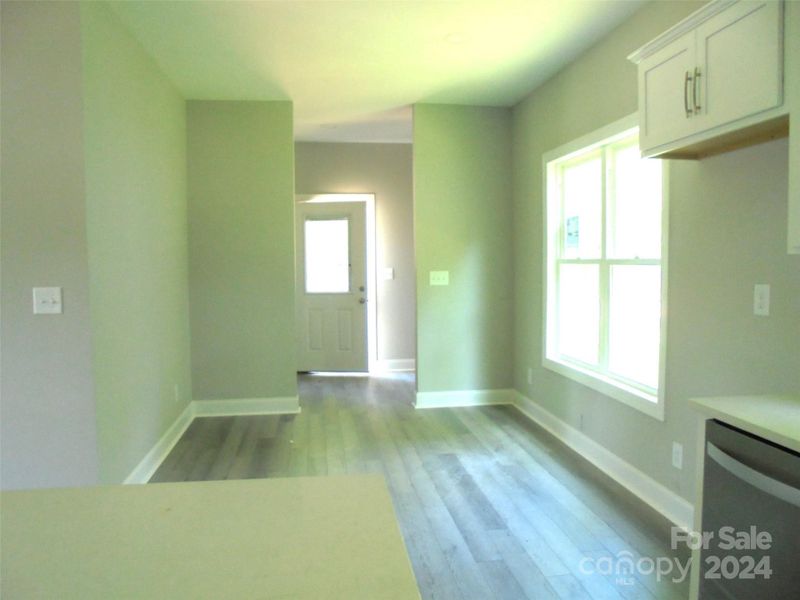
x,y
649,404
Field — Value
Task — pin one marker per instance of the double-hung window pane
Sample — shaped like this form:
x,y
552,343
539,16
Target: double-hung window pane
x,y
634,322
582,184
579,312
633,204
604,243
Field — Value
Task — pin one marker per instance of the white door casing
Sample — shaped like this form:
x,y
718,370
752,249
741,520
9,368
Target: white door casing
x,y
331,286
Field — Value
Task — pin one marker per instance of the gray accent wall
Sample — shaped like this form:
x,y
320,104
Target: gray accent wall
x,y
47,409
384,170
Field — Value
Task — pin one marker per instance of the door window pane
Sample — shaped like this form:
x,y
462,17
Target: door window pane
x,y
327,256
635,322
634,211
579,312
582,189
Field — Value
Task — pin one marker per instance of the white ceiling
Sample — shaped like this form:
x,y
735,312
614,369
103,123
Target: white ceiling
x,y
354,68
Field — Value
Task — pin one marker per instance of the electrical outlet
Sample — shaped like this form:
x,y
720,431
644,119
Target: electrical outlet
x,y
677,455
530,375
761,300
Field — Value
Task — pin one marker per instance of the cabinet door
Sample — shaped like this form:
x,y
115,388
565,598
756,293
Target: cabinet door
x,y
664,94
740,56
793,96
794,186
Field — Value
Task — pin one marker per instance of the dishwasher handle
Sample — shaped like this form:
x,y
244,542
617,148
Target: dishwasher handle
x,y
766,484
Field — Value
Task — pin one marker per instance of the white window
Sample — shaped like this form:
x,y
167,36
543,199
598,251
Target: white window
x,y
327,256
605,249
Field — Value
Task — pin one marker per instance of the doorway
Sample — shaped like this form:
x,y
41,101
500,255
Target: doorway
x,y
335,282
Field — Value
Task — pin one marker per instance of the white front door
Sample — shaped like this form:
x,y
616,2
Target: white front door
x,y
331,286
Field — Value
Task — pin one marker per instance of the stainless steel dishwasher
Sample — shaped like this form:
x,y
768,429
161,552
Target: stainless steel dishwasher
x,y
751,517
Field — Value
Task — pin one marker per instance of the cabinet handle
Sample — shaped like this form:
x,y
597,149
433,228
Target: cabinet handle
x,y
686,80
696,91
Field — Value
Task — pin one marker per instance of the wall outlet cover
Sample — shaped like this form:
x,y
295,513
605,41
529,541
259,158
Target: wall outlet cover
x,y
677,455
761,300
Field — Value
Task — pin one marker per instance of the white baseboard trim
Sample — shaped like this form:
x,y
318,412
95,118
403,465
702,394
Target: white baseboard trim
x,y
463,398
247,406
207,408
153,459
675,508
394,365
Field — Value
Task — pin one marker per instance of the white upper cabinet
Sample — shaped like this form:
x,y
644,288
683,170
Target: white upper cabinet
x,y
740,63
713,81
665,95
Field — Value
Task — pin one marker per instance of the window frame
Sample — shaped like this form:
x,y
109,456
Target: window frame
x,y
626,391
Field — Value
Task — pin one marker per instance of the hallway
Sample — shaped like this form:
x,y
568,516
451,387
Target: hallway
x,y
490,505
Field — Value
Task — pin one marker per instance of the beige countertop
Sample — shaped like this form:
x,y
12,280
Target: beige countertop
x,y
305,537
772,417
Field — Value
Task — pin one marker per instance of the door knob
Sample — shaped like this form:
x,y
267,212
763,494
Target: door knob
x,y
362,300
361,288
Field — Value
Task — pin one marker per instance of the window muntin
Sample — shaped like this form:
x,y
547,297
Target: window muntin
x,y
604,297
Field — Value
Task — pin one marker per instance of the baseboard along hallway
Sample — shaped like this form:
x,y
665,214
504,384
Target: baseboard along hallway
x,y
489,504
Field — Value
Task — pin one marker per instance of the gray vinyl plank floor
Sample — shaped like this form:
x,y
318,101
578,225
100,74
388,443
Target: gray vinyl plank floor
x,y
489,504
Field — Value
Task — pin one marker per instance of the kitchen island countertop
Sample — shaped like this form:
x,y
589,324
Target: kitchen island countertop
x,y
306,537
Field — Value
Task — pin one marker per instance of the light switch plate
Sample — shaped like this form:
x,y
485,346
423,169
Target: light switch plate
x,y
388,273
47,301
440,277
761,300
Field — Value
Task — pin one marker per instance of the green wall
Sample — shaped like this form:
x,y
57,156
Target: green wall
x,y
462,221
241,249
135,161
727,232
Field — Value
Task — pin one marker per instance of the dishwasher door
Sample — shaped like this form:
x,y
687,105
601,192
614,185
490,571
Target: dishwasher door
x,y
750,486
